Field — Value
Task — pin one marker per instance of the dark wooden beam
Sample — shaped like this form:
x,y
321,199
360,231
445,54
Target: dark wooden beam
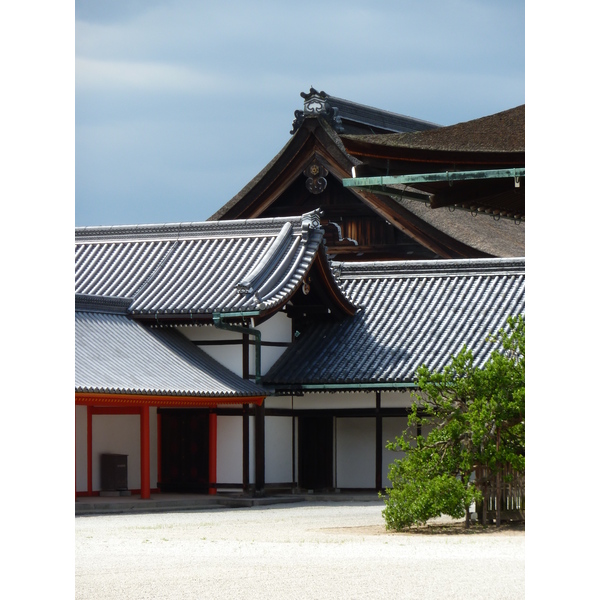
x,y
246,448
259,449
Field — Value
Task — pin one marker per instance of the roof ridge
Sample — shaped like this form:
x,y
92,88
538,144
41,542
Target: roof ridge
x,y
381,111
444,267
178,231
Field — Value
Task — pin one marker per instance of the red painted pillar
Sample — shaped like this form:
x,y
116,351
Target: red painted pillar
x,y
75,450
145,451
159,447
89,450
212,452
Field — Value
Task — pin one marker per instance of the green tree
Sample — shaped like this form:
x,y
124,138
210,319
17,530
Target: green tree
x,y
476,418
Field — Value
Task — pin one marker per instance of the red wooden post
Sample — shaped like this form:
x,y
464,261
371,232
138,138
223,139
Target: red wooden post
x,y
212,452
159,446
145,451
89,450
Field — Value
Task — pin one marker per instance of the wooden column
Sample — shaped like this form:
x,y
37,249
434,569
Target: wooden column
x,y
259,448
145,451
246,447
212,452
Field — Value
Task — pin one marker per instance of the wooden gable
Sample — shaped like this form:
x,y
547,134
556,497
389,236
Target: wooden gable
x,y
308,174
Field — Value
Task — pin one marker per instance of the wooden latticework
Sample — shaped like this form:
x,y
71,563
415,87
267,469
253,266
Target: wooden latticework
x,y
505,490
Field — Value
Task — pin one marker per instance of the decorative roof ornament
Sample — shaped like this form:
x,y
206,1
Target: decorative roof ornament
x,y
316,104
316,174
311,220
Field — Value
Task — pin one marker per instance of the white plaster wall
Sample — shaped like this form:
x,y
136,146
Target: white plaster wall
x,y
116,434
355,452
277,329
81,448
335,400
268,357
229,356
120,434
397,398
278,402
230,449
278,449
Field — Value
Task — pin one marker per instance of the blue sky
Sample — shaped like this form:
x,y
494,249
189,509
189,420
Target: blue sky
x,y
178,104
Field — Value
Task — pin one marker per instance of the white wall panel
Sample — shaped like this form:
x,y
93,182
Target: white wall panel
x,y
396,399
278,449
230,449
229,356
116,434
120,434
278,402
355,452
269,356
335,400
277,329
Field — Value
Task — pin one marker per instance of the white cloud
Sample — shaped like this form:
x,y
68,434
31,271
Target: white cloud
x,y
108,75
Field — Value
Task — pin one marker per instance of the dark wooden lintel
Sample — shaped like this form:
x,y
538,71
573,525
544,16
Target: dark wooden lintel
x,y
338,412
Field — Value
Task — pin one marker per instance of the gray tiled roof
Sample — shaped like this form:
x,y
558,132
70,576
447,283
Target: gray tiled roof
x,y
353,115
198,268
115,355
411,313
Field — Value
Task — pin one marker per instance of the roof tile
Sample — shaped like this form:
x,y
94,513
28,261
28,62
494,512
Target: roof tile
x,y
411,313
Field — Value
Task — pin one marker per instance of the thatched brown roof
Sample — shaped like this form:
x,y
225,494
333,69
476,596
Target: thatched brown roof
x,y
489,143
501,132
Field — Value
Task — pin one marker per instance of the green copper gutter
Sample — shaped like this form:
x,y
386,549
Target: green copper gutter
x,y
449,176
218,321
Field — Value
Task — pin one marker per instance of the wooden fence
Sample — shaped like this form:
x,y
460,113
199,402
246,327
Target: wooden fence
x,y
506,489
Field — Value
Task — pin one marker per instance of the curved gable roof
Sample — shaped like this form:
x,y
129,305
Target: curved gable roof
x,y
197,269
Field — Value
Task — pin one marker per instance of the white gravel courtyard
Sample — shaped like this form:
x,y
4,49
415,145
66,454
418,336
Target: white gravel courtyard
x,y
305,550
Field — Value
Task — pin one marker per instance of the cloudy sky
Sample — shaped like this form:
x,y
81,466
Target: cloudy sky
x,y
178,104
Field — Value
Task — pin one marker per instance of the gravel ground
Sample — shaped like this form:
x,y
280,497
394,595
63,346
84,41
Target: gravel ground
x,y
305,550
